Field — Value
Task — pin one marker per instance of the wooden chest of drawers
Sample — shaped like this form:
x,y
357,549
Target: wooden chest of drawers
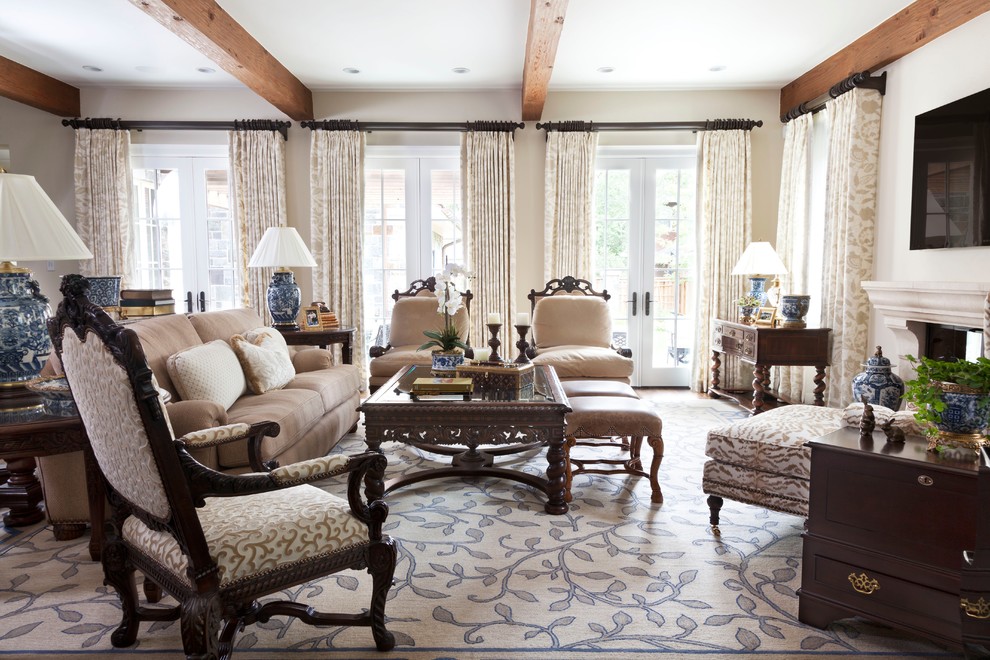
x,y
887,527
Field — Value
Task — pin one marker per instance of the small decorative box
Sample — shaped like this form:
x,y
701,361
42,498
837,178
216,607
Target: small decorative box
x,y
498,376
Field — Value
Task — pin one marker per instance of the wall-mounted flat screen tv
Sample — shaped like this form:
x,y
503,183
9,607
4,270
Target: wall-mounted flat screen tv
x,y
950,195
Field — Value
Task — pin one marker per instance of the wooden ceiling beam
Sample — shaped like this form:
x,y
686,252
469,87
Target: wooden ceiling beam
x,y
909,29
33,88
546,21
205,26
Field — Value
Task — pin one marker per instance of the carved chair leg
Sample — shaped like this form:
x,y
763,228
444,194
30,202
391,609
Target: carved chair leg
x,y
382,557
200,618
714,506
656,444
118,572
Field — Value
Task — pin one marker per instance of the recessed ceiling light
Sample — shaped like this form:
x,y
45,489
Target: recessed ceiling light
x,y
717,67
606,69
206,69
147,69
352,70
90,67
461,69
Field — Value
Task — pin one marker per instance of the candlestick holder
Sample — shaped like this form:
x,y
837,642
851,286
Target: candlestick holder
x,y
522,344
494,343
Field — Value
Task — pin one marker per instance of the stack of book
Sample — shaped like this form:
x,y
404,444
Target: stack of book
x,y
328,321
146,302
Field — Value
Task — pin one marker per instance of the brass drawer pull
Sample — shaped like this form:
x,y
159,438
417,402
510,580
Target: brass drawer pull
x,y
925,480
978,610
863,583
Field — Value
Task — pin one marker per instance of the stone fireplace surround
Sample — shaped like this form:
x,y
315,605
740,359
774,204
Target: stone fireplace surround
x,y
906,308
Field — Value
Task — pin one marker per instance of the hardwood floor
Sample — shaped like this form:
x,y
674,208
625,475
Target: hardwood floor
x,y
669,394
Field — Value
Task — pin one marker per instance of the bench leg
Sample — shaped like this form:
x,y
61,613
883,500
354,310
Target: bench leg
x,y
656,444
714,505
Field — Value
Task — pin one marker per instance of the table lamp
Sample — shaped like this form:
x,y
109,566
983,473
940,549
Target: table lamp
x,y
282,247
759,261
31,229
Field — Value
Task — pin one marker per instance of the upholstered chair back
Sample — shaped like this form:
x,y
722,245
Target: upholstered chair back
x,y
412,315
571,320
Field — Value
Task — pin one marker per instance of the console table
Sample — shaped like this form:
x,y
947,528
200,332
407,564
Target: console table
x,y
26,432
887,527
323,339
765,348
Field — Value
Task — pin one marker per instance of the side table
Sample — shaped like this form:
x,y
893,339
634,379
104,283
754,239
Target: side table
x,y
765,348
26,431
322,339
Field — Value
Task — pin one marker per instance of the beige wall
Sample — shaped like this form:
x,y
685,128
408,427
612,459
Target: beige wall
x,y
938,73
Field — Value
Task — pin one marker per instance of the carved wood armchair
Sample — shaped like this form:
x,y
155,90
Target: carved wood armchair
x,y
572,331
215,542
415,310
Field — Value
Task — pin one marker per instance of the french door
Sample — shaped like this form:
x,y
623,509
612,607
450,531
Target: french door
x,y
184,237
645,257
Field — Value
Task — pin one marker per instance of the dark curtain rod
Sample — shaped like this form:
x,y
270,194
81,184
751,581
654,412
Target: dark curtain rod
x,y
707,125
861,79
237,125
372,126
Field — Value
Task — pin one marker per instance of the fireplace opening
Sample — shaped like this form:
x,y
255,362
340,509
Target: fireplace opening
x,y
950,341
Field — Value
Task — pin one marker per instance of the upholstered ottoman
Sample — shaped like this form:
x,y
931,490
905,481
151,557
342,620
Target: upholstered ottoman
x,y
764,459
615,421
575,388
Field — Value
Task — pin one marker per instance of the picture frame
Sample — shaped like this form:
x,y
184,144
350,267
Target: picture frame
x,y
766,316
311,318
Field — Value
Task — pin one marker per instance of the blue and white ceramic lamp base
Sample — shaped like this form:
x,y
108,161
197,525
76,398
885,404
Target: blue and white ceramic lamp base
x,y
284,300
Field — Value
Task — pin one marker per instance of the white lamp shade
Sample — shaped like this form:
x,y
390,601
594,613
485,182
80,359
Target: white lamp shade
x,y
281,246
31,226
759,259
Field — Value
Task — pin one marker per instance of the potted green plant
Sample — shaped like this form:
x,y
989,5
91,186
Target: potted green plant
x,y
952,399
748,304
446,342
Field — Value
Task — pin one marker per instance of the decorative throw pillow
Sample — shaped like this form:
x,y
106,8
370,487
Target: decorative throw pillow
x,y
209,371
265,362
267,337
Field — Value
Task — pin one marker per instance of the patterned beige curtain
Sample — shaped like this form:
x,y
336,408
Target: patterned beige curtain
x,y
336,188
792,232
257,167
725,225
569,225
488,167
850,217
103,185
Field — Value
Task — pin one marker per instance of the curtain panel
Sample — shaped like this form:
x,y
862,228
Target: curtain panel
x,y
257,167
569,225
488,167
793,222
725,214
336,187
103,186
850,220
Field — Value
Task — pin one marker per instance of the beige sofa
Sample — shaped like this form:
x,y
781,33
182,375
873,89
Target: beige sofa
x,y
314,410
572,332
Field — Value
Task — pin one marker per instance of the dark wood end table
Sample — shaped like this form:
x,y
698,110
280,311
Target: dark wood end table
x,y
323,339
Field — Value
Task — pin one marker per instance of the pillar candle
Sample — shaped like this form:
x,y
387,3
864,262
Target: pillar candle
x,y
522,318
493,317
482,354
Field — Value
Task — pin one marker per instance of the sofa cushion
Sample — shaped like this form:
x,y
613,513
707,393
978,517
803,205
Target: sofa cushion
x,y
161,338
295,410
572,320
210,371
335,386
265,362
225,323
586,362
399,356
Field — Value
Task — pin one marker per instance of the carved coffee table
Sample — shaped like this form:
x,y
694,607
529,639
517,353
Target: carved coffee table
x,y
474,432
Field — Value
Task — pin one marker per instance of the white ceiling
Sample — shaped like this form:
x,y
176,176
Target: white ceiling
x,y
406,44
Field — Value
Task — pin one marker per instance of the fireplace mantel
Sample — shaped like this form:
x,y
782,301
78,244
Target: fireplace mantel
x,y
907,306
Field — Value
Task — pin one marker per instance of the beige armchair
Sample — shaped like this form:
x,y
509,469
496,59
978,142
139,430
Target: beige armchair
x,y
215,542
415,310
572,332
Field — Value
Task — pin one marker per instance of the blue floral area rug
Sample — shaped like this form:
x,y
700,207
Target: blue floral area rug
x,y
485,573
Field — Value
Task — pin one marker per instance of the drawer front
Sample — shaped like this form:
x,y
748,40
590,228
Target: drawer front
x,y
875,587
735,341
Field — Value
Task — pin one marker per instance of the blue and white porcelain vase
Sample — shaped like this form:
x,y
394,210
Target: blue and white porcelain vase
x,y
966,414
284,300
792,309
24,341
445,363
878,383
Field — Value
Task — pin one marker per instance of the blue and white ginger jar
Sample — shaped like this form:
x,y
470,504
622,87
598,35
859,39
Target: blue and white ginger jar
x,y
881,386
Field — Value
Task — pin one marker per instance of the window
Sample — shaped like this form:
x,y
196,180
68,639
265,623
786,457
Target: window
x,y
184,237
412,227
